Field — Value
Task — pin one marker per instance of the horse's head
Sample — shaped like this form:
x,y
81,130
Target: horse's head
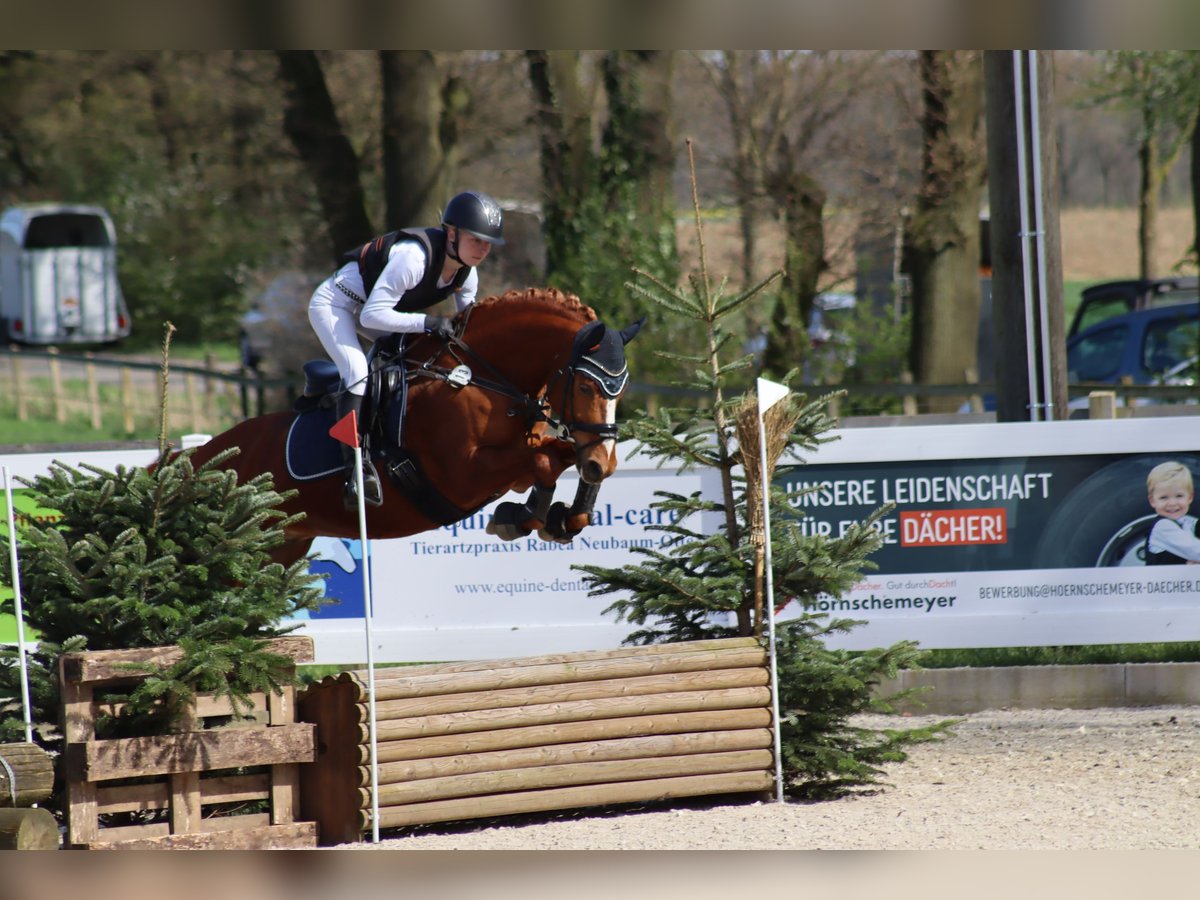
x,y
594,379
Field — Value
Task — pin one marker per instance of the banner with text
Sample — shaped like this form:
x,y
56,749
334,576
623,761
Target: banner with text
x,y
1009,534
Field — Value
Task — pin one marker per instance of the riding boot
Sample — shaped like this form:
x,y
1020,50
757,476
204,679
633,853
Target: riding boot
x,y
372,490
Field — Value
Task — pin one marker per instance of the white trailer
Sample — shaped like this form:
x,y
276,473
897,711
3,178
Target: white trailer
x,y
58,276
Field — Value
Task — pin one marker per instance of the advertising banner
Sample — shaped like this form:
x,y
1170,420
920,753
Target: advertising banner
x,y
458,592
1025,534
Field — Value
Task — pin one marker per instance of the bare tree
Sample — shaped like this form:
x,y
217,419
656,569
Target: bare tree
x,y
943,234
1162,87
781,106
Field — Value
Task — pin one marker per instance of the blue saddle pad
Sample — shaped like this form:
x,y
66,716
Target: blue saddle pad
x,y
309,451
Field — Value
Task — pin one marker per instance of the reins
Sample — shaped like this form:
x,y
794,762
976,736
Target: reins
x,y
536,409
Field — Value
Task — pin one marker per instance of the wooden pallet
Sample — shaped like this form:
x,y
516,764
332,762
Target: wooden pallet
x,y
188,785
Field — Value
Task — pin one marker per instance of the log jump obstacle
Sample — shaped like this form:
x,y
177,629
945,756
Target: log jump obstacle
x,y
26,778
534,734
196,781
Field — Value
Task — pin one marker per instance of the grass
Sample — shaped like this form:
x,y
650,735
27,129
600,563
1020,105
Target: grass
x,y
1098,654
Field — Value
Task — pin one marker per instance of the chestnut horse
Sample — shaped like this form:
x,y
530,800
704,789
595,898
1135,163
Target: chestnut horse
x,y
528,387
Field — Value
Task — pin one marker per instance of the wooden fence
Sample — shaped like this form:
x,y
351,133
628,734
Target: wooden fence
x,y
95,391
123,395
498,737
204,788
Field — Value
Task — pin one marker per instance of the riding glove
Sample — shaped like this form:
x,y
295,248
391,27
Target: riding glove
x,y
440,326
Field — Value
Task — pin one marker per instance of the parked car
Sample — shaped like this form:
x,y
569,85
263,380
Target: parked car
x,y
1113,298
1147,346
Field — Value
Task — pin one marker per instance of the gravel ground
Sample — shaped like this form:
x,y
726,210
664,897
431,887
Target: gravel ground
x,y
1098,779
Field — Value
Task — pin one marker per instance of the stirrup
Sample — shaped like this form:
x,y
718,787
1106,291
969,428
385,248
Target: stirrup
x,y
372,490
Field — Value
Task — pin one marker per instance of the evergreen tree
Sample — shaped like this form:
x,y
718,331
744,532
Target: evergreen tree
x,y
153,557
146,557
699,585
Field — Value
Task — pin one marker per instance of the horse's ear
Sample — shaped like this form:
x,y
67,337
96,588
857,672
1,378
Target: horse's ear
x,y
629,332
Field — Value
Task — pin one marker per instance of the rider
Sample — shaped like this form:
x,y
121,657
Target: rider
x,y
381,289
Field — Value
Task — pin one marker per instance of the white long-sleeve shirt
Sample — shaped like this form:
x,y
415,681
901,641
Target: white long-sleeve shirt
x,y
404,270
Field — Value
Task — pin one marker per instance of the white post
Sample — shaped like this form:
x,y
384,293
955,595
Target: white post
x,y
16,586
368,615
776,393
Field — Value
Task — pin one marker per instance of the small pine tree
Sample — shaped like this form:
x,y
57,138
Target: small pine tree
x,y
153,557
146,557
701,584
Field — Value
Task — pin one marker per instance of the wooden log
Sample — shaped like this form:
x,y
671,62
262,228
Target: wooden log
x,y
399,688
166,754
577,656
568,732
28,829
560,754
26,774
574,711
264,837
646,791
717,679
111,665
567,775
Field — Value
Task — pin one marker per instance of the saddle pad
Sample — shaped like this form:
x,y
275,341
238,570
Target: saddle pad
x,y
309,451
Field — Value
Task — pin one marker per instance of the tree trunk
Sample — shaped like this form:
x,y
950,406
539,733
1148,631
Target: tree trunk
x,y
1196,191
1011,346
422,121
1148,187
564,118
943,236
803,204
311,122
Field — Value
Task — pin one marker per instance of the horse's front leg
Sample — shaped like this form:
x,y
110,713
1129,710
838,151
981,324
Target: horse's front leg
x,y
511,520
563,522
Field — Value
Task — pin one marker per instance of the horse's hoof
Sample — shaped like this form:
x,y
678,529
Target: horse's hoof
x,y
556,529
506,531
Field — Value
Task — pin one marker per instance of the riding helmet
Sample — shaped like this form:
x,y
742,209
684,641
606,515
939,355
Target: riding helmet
x,y
476,213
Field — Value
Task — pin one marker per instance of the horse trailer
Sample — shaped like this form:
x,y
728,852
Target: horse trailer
x,y
58,276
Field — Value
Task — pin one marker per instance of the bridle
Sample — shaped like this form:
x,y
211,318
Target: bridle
x,y
601,361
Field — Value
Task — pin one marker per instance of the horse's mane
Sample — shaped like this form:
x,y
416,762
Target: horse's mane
x,y
538,299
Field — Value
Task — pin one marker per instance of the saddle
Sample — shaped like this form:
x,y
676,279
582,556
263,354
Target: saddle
x,y
312,453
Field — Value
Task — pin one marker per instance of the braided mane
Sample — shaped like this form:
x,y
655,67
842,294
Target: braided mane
x,y
538,300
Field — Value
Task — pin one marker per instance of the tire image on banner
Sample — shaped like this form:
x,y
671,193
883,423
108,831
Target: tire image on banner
x,y
1104,521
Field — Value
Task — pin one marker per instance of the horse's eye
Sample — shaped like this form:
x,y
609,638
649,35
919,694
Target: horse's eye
x,y
586,389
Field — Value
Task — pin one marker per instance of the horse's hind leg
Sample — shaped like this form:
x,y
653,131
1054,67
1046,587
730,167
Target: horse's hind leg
x,y
563,523
515,520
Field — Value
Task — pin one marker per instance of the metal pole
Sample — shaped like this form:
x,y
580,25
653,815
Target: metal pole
x,y
368,614
22,662
1035,139
1022,177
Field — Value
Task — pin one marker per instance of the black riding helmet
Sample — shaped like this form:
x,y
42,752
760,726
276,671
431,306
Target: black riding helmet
x,y
476,213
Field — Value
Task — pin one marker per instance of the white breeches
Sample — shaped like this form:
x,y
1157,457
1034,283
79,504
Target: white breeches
x,y
334,318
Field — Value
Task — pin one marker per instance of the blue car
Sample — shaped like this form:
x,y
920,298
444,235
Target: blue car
x,y
1138,347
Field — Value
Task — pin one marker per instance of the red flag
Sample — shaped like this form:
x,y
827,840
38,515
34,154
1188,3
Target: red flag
x,y
346,429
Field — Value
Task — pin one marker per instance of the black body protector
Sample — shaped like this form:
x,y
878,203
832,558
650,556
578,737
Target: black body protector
x,y
372,257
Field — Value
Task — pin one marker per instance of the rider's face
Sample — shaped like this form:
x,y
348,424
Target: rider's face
x,y
472,250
